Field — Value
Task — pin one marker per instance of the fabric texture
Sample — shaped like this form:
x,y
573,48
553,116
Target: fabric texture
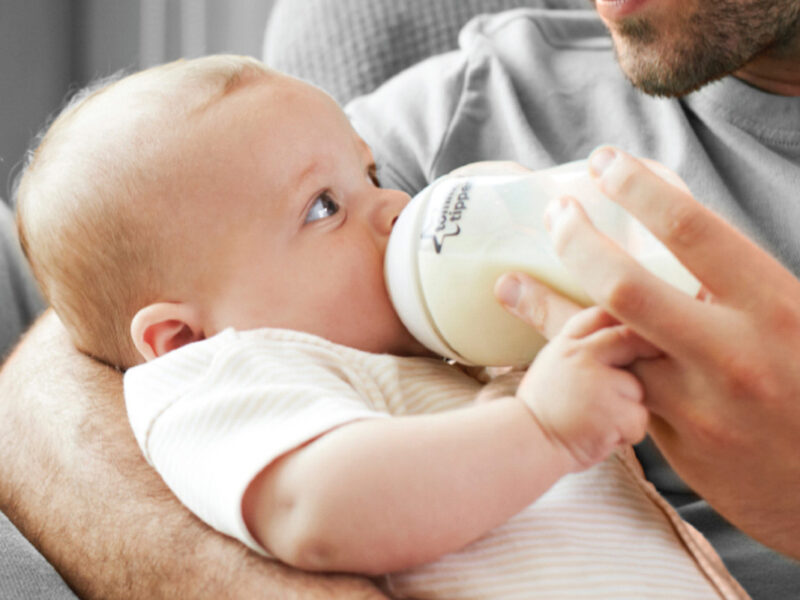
x,y
349,47
24,573
211,415
543,88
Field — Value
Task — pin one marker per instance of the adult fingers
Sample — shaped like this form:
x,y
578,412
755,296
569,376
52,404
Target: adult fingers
x,y
659,312
534,303
685,408
702,241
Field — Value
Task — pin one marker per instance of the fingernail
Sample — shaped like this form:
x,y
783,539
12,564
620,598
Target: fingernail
x,y
600,159
508,290
555,210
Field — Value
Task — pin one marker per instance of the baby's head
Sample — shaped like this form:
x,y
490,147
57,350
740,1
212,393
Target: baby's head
x,y
166,206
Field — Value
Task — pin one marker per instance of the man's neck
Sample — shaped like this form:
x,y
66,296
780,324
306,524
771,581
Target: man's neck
x,y
776,71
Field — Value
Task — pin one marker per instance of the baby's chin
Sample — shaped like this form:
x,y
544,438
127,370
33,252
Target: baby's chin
x,y
415,349
410,346
399,342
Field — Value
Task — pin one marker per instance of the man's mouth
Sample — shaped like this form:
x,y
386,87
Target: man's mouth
x,y
613,10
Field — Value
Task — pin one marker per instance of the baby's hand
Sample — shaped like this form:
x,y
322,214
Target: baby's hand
x,y
577,389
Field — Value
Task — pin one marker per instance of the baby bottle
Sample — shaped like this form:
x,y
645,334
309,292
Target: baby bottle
x,y
458,235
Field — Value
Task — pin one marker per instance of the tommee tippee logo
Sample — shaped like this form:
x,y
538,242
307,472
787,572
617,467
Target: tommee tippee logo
x,y
446,223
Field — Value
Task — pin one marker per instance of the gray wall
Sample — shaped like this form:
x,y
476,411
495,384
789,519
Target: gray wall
x,y
49,47
34,73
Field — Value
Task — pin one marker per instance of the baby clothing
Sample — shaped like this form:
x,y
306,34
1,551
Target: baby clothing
x,y
211,415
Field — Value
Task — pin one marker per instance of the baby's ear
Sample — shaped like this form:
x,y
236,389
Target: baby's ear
x,y
158,328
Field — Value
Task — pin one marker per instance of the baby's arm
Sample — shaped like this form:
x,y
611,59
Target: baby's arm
x,y
382,495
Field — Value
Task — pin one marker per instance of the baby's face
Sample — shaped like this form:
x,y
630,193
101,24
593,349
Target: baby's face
x,y
298,222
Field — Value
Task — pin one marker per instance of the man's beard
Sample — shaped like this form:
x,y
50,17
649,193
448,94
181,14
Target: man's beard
x,y
718,38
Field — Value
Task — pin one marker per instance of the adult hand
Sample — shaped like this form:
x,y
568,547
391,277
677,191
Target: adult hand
x,y
725,396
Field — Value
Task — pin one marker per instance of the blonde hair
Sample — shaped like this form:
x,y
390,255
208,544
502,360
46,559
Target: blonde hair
x,y
84,200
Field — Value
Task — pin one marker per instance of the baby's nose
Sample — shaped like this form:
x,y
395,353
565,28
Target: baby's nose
x,y
388,208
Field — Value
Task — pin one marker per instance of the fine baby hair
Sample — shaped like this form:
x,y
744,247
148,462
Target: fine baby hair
x,y
96,213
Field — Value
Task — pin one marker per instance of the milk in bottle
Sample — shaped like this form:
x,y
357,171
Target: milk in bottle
x,y
457,236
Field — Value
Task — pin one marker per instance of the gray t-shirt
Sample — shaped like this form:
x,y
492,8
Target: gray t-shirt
x,y
543,88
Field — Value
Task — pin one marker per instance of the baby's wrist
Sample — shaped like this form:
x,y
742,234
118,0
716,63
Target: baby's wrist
x,y
563,459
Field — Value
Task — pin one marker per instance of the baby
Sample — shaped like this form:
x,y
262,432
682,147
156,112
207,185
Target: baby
x,y
222,224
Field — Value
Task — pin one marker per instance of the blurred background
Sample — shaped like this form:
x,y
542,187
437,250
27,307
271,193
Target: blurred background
x,y
50,48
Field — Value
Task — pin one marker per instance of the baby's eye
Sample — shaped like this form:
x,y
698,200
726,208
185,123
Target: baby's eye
x,y
324,206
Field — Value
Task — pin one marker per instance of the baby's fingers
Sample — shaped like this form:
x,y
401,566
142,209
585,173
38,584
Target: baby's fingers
x,y
616,416
588,321
625,403
619,346
632,427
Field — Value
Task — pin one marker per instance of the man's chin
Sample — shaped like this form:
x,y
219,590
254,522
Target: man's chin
x,y
658,71
674,54
654,87
653,78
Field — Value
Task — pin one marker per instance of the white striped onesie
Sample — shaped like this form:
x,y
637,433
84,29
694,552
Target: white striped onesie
x,y
211,415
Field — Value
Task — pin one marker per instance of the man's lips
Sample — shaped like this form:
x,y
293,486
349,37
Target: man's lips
x,y
613,10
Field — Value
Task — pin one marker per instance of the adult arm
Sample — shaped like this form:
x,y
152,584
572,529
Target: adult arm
x,y
73,480
725,395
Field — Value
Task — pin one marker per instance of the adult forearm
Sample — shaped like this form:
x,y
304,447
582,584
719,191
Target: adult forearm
x,y
73,480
